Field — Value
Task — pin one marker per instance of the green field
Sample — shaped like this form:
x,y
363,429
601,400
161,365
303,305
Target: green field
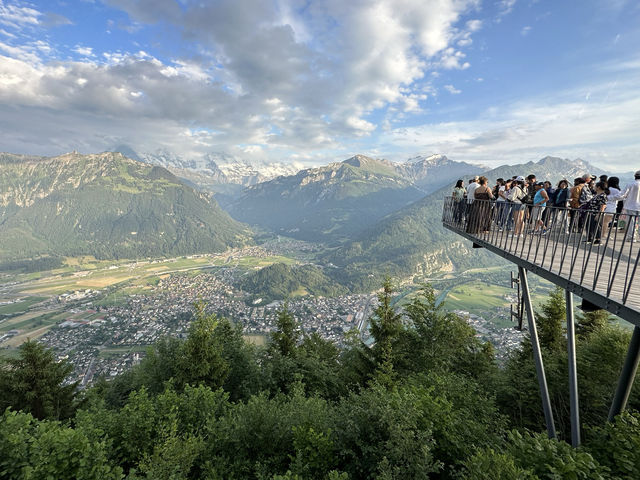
x,y
18,307
259,340
474,296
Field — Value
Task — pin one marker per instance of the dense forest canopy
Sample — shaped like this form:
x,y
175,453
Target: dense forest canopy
x,y
427,400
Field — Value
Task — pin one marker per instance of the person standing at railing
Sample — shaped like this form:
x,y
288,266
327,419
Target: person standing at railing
x,y
471,188
459,194
516,195
631,207
548,187
612,204
480,213
574,202
473,184
503,214
560,202
540,200
593,211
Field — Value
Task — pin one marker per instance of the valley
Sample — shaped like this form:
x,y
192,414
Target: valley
x,y
102,315
102,255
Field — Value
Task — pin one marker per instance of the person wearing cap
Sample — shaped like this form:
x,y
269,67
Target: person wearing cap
x,y
631,206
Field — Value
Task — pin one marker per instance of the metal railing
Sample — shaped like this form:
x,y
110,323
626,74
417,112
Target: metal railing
x,y
595,251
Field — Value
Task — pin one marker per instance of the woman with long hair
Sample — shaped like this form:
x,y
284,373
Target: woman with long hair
x,y
459,192
517,194
560,201
480,218
612,202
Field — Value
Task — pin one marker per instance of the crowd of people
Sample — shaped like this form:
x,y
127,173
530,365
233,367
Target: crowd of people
x,y
591,205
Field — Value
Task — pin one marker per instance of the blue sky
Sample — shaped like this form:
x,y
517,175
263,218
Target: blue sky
x,y
308,81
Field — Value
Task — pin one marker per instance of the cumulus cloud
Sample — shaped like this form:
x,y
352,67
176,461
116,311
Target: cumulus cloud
x,y
452,90
568,125
18,16
329,64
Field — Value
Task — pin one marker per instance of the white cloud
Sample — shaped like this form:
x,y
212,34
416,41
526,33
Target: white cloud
x,y
567,125
505,7
84,51
16,16
330,64
452,90
525,30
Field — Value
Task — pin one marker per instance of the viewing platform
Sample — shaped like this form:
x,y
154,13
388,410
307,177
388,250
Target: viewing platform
x,y
591,254
602,272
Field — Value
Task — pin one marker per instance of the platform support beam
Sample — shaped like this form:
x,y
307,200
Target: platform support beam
x,y
573,373
537,355
628,374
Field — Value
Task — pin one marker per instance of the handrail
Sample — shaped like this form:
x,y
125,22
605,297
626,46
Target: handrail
x,y
566,242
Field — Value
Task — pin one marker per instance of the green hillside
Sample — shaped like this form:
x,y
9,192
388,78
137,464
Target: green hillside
x,y
105,205
280,281
327,204
413,241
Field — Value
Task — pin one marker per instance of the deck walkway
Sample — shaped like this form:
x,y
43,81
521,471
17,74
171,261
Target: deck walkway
x,y
603,274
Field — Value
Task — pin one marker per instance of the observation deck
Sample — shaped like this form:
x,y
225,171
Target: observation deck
x,y
601,272
590,254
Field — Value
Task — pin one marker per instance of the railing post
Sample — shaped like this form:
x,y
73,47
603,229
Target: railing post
x,y
627,376
537,355
573,375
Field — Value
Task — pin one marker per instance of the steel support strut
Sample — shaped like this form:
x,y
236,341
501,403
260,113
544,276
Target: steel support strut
x,y
537,355
573,374
626,376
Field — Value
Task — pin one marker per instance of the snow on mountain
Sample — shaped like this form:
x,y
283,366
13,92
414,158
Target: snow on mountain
x,y
219,167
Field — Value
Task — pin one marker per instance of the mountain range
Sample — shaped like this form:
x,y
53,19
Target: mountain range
x,y
105,205
413,241
374,217
333,203
214,169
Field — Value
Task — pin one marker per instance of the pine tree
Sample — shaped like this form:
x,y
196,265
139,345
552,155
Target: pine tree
x,y
590,322
550,331
386,327
34,383
287,334
200,356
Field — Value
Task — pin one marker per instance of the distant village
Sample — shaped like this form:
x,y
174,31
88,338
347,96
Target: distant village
x,y
104,339
107,340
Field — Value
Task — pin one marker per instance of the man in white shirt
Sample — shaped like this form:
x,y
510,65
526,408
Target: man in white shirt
x,y
631,206
471,189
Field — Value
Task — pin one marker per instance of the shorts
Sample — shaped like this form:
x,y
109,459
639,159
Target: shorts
x,y
536,213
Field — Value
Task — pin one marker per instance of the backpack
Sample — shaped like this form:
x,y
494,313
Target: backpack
x,y
530,193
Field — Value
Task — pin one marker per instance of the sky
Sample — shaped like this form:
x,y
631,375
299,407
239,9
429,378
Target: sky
x,y
314,81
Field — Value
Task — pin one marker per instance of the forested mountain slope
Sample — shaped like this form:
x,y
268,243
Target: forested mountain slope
x,y
412,240
328,204
105,205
